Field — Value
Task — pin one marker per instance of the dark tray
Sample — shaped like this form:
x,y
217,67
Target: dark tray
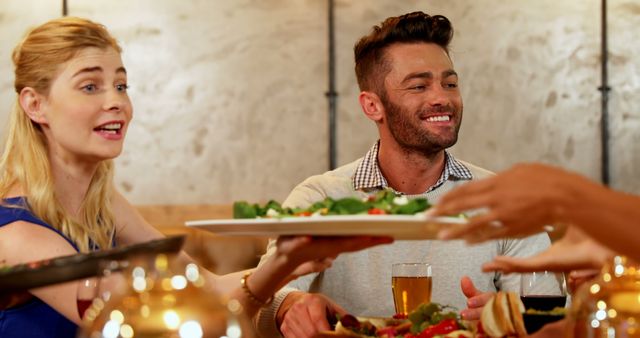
x,y
67,268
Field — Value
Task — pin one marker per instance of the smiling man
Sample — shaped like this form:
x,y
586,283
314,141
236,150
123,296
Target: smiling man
x,y
409,89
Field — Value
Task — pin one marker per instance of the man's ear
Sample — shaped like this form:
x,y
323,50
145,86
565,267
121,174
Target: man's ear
x,y
31,102
371,105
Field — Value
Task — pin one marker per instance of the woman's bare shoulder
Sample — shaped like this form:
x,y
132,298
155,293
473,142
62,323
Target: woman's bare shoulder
x,y
24,242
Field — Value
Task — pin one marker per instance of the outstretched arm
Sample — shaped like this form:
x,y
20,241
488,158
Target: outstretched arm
x,y
520,201
294,255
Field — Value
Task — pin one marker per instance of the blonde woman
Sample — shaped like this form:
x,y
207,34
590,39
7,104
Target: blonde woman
x,y
69,121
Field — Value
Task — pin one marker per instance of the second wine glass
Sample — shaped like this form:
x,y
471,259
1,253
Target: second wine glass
x,y
543,290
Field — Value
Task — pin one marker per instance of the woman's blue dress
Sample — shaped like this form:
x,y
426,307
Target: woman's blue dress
x,y
34,318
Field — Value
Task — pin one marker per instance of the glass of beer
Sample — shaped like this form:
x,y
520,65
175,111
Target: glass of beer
x,y
411,286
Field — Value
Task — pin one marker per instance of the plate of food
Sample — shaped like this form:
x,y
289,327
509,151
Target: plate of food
x,y
428,320
382,214
501,317
67,268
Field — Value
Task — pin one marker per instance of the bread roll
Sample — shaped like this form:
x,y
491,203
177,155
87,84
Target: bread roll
x,y
502,316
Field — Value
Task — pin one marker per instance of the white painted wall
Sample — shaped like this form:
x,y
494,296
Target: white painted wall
x,y
229,94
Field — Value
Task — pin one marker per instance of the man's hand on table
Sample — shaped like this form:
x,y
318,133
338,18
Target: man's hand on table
x,y
475,299
303,315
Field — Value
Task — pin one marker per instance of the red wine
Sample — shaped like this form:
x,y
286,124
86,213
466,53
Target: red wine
x,y
543,302
533,323
83,305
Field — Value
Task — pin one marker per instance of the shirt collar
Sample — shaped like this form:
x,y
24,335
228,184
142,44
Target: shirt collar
x,y
368,175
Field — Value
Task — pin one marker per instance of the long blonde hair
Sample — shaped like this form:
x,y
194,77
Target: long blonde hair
x,y
25,162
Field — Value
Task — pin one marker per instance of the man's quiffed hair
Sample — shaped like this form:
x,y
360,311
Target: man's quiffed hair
x,y
371,65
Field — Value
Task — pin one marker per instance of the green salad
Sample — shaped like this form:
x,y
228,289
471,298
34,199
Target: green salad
x,y
385,202
427,315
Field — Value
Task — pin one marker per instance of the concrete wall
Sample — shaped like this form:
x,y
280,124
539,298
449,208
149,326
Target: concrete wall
x,y
229,94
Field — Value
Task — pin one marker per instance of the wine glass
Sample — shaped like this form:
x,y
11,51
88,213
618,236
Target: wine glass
x,y
88,290
543,290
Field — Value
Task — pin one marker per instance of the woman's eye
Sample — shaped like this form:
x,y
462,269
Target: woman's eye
x,y
122,87
90,88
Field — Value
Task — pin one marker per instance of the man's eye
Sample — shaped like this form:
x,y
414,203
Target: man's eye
x,y
451,85
122,87
419,87
90,88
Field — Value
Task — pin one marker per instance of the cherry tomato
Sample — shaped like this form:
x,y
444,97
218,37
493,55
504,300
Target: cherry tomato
x,y
376,211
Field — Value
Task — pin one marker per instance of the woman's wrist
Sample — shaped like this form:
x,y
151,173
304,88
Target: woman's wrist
x,y
270,277
250,295
285,267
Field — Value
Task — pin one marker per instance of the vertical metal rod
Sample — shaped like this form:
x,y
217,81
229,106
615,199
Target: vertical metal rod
x,y
65,12
604,90
332,95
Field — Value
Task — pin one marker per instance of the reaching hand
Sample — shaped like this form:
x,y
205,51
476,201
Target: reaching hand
x,y
572,252
578,277
303,315
475,299
519,202
315,254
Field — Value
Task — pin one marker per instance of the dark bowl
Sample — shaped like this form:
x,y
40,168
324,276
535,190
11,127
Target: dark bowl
x,y
534,322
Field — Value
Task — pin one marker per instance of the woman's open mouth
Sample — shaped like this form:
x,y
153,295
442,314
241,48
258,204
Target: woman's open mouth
x,y
112,130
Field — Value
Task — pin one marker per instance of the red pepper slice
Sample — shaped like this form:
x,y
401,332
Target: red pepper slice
x,y
303,214
444,327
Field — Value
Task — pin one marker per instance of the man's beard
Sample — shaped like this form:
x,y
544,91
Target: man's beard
x,y
407,129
